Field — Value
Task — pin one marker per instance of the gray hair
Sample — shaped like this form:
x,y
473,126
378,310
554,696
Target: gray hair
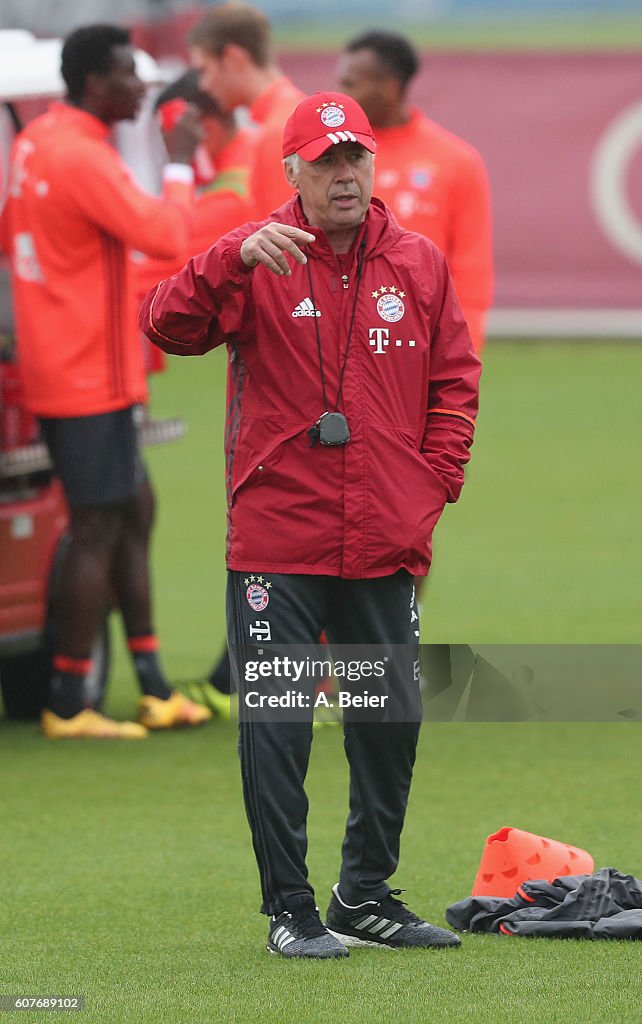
x,y
293,161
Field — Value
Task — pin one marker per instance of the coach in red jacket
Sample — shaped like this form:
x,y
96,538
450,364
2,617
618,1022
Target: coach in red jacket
x,y
351,406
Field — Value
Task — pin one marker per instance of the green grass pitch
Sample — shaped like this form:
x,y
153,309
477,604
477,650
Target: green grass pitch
x,y
128,875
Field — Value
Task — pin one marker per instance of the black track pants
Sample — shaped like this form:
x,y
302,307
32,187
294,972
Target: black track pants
x,y
273,609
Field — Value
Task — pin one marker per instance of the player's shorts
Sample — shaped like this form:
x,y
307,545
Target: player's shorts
x,y
97,458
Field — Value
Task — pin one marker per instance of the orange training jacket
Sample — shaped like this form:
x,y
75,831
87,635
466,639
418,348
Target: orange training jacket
x,y
72,214
436,184
268,186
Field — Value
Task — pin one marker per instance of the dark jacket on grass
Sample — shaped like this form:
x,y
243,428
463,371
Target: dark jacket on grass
x,y
604,905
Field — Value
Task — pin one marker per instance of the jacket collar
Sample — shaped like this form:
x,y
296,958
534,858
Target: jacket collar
x,y
79,119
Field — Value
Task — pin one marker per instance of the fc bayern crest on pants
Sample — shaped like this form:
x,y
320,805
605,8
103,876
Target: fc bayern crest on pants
x,y
257,594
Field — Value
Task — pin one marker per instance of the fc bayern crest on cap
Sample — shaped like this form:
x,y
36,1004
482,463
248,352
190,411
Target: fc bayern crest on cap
x,y
332,116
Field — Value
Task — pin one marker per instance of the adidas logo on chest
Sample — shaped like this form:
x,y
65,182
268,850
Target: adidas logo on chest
x,y
306,308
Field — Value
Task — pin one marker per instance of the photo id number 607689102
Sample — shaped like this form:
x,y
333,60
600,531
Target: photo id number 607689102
x,y
42,1003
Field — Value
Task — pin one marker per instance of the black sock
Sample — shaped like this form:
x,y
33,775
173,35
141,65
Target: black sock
x,y
221,674
148,668
67,687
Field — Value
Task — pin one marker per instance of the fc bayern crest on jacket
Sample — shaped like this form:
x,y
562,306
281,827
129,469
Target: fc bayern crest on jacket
x,y
390,305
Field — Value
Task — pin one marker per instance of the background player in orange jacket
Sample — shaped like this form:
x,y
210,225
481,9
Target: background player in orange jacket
x,y
433,181
72,215
221,165
232,49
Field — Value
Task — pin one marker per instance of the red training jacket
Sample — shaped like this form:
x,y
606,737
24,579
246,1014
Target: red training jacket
x,y
367,508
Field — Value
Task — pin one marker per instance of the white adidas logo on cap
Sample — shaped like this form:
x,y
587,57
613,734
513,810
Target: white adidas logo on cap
x,y
336,137
306,308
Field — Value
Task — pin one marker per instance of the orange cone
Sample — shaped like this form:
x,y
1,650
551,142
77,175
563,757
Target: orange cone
x,y
512,856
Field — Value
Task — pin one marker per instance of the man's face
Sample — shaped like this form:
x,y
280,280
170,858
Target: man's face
x,y
121,87
335,189
360,75
219,76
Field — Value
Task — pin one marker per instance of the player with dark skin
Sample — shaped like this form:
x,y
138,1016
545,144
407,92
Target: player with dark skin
x,y
83,372
434,182
109,544
112,536
376,70
381,94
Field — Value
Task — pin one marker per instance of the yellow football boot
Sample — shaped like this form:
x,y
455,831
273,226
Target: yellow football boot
x,y
176,711
89,724
222,705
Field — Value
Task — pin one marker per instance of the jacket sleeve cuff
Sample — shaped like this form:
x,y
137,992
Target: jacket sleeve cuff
x,y
233,261
446,448
179,172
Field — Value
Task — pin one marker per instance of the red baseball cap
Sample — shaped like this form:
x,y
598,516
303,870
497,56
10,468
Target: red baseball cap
x,y
323,120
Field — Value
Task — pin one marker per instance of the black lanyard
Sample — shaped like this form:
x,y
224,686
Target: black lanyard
x,y
332,428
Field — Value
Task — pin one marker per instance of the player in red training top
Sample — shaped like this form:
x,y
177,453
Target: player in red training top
x,y
433,181
231,48
72,217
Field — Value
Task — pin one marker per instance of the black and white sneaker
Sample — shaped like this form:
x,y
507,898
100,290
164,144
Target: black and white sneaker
x,y
387,922
301,933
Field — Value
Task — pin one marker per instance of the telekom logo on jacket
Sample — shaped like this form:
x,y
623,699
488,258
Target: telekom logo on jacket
x,y
380,340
